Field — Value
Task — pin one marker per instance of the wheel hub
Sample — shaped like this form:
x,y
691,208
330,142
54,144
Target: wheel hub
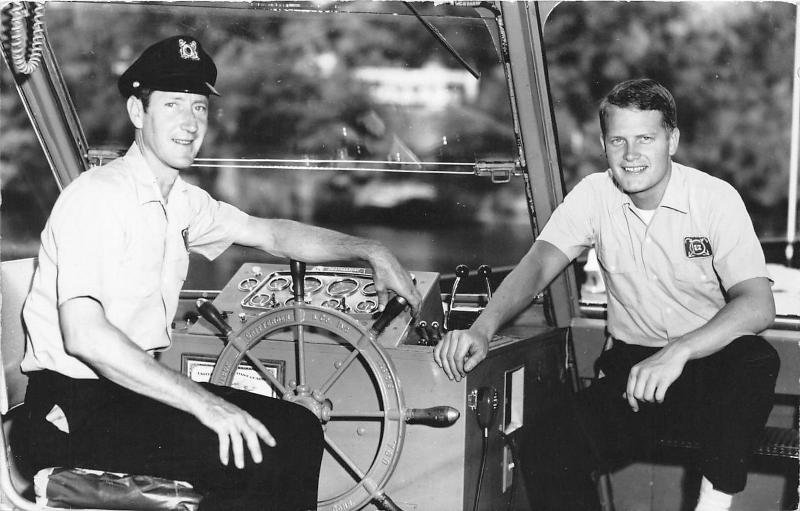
x,y
314,401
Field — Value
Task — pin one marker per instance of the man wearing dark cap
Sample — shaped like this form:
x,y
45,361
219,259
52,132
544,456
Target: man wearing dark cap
x,y
114,256
176,64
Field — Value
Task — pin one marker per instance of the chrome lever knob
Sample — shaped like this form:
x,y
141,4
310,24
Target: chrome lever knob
x,y
462,272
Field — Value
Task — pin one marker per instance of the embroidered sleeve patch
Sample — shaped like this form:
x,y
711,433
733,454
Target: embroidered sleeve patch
x,y
697,246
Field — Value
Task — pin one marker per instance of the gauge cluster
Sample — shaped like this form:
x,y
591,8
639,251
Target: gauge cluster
x,y
256,289
349,290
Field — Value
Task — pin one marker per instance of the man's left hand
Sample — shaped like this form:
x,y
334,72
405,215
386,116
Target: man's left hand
x,y
649,380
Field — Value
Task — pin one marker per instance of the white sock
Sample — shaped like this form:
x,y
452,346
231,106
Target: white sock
x,y
711,499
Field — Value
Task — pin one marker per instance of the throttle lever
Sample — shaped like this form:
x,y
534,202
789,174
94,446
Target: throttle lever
x,y
425,339
462,272
393,309
213,316
485,271
298,270
436,332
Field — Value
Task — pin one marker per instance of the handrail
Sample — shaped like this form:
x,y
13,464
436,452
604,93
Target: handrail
x,y
596,310
791,221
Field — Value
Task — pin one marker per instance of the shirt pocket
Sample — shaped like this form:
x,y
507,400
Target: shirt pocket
x,y
616,261
691,271
620,275
179,267
696,276
138,276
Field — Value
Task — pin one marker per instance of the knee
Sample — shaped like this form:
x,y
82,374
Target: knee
x,y
305,427
752,353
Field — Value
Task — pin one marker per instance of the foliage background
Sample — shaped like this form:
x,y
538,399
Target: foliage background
x,y
728,63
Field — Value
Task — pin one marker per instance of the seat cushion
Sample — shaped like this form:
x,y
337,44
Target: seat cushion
x,y
92,489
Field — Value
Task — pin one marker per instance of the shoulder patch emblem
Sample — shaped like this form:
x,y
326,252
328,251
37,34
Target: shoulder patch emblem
x,y
697,246
188,50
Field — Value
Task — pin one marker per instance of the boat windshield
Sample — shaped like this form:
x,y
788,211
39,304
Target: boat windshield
x,y
366,117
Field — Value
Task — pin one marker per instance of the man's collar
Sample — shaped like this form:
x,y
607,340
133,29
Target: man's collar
x,y
147,188
675,196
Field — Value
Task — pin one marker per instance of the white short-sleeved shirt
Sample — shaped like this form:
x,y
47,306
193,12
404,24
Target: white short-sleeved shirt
x,y
668,277
112,236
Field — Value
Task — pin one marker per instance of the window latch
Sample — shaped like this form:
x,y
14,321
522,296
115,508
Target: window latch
x,y
499,171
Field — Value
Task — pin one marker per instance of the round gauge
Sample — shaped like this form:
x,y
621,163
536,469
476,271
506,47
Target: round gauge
x,y
278,283
367,306
369,289
342,287
248,284
312,285
260,300
331,303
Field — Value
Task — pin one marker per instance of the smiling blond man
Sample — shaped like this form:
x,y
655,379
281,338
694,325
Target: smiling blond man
x,y
687,293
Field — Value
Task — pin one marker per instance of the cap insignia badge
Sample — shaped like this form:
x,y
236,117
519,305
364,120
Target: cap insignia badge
x,y
188,50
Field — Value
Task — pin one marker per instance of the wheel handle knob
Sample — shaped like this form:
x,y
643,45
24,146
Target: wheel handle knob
x,y
436,416
211,314
393,309
384,503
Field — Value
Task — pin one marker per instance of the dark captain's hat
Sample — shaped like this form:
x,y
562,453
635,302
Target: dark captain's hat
x,y
177,64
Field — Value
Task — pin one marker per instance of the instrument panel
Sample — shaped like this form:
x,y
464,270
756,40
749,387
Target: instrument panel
x,y
256,289
349,290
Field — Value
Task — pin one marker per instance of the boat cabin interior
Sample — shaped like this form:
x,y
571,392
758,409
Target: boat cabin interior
x,y
449,131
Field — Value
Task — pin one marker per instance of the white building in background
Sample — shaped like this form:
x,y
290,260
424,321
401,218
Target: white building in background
x,y
433,87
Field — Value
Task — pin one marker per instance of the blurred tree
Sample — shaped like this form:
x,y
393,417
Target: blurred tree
x,y
726,64
292,92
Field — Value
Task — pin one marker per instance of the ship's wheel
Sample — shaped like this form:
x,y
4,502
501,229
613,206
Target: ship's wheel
x,y
379,420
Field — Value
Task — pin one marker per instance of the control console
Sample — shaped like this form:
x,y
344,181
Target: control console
x,y
258,288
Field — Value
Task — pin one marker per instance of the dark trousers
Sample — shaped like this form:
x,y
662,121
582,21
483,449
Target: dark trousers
x,y
722,401
114,429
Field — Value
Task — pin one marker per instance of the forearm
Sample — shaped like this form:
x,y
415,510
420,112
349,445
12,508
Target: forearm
x,y
136,370
515,293
89,336
461,350
749,310
531,276
111,354
290,239
312,244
